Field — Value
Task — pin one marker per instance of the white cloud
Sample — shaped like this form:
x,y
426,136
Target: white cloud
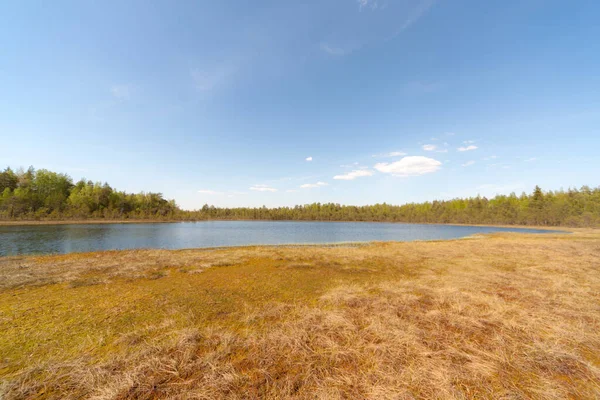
x,y
433,147
467,148
410,166
468,163
396,154
262,188
353,165
313,185
211,192
390,154
531,159
353,175
207,79
308,159
121,92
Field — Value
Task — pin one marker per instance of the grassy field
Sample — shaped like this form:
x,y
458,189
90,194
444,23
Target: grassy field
x,y
506,316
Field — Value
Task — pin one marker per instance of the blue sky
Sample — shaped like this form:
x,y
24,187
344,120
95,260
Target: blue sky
x,y
281,103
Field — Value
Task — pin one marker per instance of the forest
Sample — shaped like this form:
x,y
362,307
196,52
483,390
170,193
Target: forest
x,y
41,194
45,195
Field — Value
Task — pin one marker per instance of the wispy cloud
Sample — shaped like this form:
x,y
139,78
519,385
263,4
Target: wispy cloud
x,y
313,185
433,147
468,163
499,165
262,188
410,166
353,165
373,4
467,148
531,159
419,11
390,154
121,92
308,159
405,15
335,50
489,158
206,80
354,174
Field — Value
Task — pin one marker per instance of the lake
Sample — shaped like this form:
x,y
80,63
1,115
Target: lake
x,y
45,239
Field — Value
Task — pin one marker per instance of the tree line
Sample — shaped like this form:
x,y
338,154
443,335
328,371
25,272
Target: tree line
x,y
41,194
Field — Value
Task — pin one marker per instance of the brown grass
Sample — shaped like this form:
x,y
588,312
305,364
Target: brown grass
x,y
505,316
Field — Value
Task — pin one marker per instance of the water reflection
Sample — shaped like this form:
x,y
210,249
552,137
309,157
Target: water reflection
x,y
44,239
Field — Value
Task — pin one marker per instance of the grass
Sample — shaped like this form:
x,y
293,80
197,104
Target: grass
x,y
507,316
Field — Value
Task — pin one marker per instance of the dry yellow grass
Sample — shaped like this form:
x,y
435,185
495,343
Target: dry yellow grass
x,y
505,316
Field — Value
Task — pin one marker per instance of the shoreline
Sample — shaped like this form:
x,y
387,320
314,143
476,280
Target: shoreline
x,y
80,222
423,307
309,245
559,229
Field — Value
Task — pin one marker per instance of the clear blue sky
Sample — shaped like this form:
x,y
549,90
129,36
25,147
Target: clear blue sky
x,y
223,102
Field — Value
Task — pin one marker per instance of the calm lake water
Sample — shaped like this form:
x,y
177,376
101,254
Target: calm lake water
x,y
43,239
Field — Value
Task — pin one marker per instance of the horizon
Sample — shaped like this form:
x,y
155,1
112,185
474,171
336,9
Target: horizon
x,y
350,102
22,170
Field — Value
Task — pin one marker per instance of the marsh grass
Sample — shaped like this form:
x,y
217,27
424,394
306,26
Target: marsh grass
x,y
504,316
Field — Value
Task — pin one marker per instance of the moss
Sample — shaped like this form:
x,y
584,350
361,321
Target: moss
x,y
510,309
